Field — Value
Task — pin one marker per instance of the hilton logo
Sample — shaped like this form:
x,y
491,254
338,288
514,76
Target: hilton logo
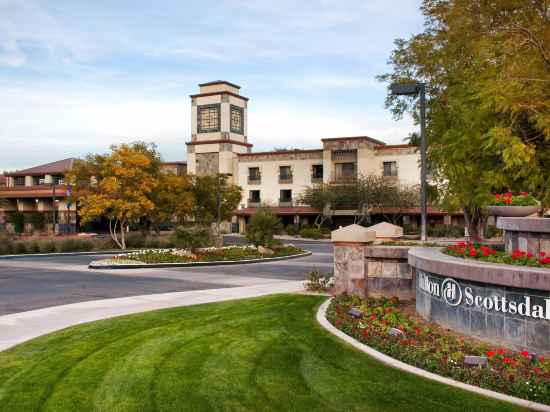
x,y
453,294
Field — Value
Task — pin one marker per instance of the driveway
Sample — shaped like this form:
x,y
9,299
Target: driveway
x,y
29,283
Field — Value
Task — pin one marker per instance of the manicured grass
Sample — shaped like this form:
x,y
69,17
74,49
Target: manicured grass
x,y
251,355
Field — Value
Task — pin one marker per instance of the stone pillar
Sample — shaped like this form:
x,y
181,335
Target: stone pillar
x,y
529,234
349,259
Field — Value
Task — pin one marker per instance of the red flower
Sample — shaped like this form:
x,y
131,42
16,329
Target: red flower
x,y
508,194
507,360
524,194
365,333
524,353
501,351
529,255
491,353
542,254
541,358
372,317
473,253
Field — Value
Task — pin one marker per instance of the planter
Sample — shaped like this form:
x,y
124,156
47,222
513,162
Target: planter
x,y
513,211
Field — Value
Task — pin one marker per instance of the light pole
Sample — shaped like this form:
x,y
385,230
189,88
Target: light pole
x,y
219,206
413,89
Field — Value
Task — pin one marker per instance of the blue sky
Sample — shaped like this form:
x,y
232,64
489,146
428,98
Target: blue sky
x,y
77,76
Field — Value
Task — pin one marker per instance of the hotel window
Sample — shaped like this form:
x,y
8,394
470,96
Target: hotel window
x,y
19,180
285,195
57,179
285,173
254,196
237,119
38,180
208,118
390,169
253,174
317,172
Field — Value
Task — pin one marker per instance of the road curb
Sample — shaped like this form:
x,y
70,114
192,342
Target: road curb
x,y
394,363
194,264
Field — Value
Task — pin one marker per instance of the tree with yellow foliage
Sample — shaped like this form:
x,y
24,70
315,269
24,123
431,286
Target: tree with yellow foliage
x,y
173,199
119,186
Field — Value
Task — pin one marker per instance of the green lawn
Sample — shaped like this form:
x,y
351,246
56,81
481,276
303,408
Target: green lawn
x,y
251,355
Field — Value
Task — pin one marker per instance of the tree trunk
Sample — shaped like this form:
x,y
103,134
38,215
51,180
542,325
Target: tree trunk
x,y
113,232
123,234
475,224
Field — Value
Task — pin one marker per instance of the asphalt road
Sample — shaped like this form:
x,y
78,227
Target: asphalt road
x,y
28,283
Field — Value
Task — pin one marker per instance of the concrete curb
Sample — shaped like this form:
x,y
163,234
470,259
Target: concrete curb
x,y
193,264
394,363
20,327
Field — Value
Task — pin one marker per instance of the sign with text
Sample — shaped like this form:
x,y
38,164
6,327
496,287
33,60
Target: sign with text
x,y
454,293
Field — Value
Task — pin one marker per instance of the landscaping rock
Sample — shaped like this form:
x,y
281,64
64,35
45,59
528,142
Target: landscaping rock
x,y
265,251
184,253
396,332
475,360
387,231
356,313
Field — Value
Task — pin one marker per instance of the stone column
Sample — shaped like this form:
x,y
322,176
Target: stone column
x,y
349,259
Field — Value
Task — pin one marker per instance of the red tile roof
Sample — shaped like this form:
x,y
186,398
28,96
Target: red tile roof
x,y
59,167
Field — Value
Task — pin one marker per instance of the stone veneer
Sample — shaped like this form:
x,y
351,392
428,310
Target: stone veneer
x,y
526,233
388,273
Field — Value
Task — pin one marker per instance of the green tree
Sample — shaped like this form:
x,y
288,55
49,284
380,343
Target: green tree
x,y
263,226
487,70
215,198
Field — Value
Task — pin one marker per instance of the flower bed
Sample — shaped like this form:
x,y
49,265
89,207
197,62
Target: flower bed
x,y
509,199
385,325
212,254
487,254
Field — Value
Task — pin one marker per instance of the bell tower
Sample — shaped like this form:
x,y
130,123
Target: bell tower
x,y
218,129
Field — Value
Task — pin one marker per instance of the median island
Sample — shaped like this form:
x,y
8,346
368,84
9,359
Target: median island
x,y
199,256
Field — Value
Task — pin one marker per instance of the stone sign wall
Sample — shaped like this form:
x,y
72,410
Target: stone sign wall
x,y
515,317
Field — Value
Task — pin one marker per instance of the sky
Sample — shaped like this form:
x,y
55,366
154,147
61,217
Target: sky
x,y
77,76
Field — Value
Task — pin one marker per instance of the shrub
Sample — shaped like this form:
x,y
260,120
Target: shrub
x,y
17,219
492,231
263,226
311,233
33,246
38,220
152,243
409,229
191,237
48,246
75,245
20,247
446,231
291,230
135,240
317,282
6,245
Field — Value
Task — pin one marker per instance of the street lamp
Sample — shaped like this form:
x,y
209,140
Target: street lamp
x,y
221,177
413,89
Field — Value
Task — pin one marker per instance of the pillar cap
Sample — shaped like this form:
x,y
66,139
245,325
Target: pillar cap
x,y
385,230
353,234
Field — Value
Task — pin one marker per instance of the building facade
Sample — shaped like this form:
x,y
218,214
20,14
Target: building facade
x,y
219,144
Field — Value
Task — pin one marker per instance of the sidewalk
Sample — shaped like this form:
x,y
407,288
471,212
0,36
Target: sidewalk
x,y
20,327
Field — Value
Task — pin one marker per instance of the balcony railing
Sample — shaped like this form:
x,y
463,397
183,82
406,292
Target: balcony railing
x,y
316,179
285,179
285,202
254,202
254,180
343,177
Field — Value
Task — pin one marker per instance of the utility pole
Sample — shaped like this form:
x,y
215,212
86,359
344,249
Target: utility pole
x,y
53,206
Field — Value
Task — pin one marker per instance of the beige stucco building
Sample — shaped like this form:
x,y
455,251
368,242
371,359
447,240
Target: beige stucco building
x,y
219,144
